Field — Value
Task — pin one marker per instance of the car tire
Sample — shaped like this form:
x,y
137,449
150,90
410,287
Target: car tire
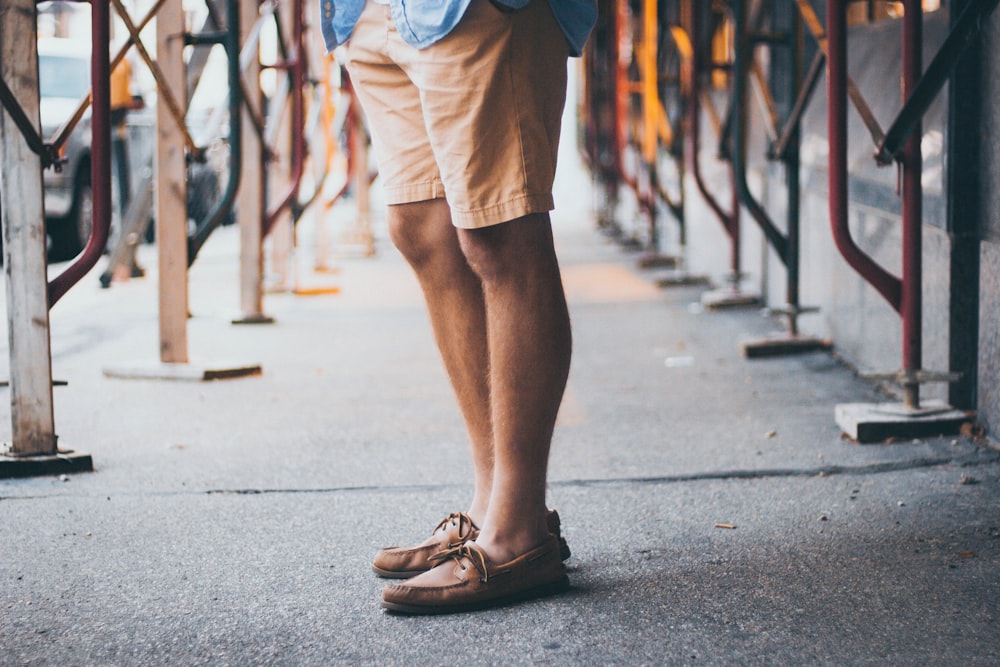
x,y
69,235
203,192
81,216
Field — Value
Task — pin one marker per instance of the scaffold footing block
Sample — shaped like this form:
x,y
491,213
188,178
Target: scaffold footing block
x,y
327,270
631,243
610,227
653,260
64,462
316,290
728,297
189,372
254,318
878,422
55,383
682,279
781,345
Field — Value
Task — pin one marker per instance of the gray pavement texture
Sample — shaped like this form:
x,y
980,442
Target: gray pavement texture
x,y
233,522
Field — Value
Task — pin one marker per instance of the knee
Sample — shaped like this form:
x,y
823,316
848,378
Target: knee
x,y
401,232
482,249
517,249
418,230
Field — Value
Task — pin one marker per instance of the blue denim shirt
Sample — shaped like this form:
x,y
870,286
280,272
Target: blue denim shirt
x,y
422,22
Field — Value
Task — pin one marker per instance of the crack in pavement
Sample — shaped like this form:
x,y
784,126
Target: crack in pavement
x,y
820,471
977,459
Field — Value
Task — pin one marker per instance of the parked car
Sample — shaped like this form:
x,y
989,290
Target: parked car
x,y
64,80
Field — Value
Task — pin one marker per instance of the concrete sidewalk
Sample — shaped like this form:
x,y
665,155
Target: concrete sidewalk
x,y
233,522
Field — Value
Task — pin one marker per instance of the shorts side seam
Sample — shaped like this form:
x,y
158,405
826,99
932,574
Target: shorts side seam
x,y
519,105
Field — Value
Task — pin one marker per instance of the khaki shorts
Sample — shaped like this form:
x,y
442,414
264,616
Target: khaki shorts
x,y
474,118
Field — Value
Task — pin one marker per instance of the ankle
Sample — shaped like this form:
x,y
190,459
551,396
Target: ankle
x,y
477,516
477,511
502,547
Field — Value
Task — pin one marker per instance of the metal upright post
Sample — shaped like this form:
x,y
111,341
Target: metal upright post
x,y
229,39
603,126
649,146
911,308
965,211
867,422
732,295
783,42
792,167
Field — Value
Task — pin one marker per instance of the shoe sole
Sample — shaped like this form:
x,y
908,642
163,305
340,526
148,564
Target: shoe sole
x,y
535,593
396,574
564,554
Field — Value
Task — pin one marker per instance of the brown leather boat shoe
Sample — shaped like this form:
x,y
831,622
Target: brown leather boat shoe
x,y
465,579
456,529
404,562
555,527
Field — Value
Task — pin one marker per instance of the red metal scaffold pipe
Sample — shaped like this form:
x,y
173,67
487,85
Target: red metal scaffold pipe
x,y
888,286
296,68
911,306
100,154
730,220
904,295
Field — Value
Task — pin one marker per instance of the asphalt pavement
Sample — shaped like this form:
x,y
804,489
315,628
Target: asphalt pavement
x,y
715,512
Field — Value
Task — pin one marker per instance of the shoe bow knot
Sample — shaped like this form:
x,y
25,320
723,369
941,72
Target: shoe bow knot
x,y
466,553
465,526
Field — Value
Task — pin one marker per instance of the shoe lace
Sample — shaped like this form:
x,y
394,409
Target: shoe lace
x,y
465,527
466,552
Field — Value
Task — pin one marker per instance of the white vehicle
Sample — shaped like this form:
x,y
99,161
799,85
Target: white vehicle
x,y
64,80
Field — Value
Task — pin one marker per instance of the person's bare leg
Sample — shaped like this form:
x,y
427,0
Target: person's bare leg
x,y
528,330
424,234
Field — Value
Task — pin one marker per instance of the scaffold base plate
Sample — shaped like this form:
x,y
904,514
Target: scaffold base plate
x,y
878,422
63,463
682,279
316,290
189,372
653,260
729,298
782,345
254,318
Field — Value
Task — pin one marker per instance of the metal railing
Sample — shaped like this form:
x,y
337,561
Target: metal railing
x,y
902,145
702,68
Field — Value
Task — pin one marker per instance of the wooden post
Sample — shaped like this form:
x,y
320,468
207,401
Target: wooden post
x,y
171,191
250,204
280,173
34,445
24,242
172,222
358,239
362,188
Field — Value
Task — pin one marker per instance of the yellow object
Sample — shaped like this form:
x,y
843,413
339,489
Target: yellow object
x,y
121,85
649,75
